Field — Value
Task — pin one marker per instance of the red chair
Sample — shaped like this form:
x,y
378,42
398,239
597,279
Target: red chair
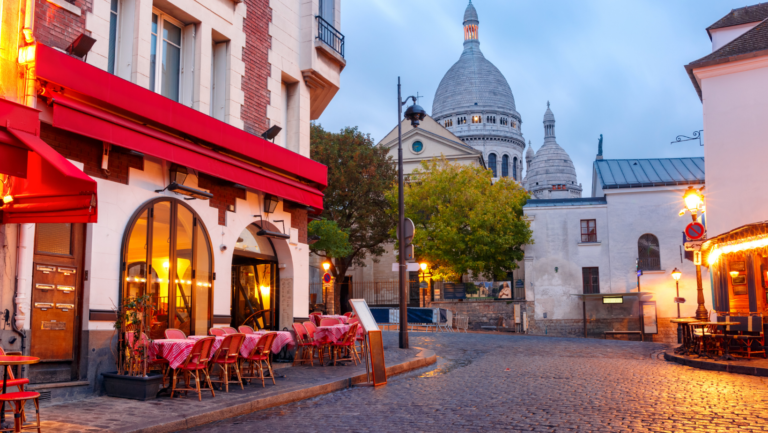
x,y
347,343
259,355
329,322
217,332
361,350
227,357
304,342
311,329
135,362
18,399
196,361
175,334
315,317
348,315
12,381
229,330
245,329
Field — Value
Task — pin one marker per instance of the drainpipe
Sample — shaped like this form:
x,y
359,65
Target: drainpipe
x,y
17,324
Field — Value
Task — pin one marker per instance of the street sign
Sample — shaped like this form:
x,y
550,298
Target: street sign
x,y
326,277
639,272
423,284
697,258
410,252
679,300
410,230
695,231
410,267
694,245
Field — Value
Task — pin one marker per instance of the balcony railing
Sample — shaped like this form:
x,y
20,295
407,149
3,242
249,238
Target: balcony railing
x,y
330,36
650,264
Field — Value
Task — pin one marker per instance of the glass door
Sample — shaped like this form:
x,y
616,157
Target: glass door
x,y
253,292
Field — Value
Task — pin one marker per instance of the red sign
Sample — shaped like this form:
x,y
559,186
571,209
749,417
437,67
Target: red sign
x,y
679,300
326,277
694,231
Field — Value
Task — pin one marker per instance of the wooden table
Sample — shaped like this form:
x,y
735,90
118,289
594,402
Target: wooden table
x,y
5,362
727,337
687,334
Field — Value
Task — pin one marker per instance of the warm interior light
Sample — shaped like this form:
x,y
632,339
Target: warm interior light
x,y
7,199
423,266
166,265
719,250
676,274
326,265
693,199
734,273
27,54
265,290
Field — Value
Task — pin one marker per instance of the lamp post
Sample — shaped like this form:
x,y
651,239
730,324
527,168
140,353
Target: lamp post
x,y
326,267
694,201
423,275
676,274
415,114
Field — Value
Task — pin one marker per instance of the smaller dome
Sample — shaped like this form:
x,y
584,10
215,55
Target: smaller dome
x,y
549,115
471,14
529,153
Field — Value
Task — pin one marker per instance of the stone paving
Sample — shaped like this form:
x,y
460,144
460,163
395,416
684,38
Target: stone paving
x,y
487,382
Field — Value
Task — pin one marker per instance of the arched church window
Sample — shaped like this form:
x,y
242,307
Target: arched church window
x,y
505,166
649,257
167,256
514,168
492,164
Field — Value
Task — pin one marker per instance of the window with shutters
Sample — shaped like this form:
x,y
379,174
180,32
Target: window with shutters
x,y
588,231
591,280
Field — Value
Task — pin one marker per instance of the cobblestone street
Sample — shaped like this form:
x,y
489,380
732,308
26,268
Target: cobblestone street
x,y
553,384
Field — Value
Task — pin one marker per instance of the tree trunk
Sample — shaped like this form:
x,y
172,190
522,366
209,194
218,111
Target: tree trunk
x,y
339,271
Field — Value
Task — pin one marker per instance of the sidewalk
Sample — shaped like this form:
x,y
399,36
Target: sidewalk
x,y
757,366
114,415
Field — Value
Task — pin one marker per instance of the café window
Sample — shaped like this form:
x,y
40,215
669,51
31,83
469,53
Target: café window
x,y
167,255
648,255
588,231
591,280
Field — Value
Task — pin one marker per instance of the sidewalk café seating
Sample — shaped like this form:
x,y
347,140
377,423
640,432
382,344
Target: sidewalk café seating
x,y
259,355
226,357
245,329
12,381
706,340
135,359
196,362
361,349
175,334
346,344
229,330
315,317
217,332
329,322
311,328
748,338
306,346
19,399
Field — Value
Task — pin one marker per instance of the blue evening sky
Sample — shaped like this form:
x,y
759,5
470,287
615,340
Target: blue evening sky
x,y
607,66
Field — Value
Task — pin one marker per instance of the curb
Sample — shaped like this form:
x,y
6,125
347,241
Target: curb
x,y
423,359
711,365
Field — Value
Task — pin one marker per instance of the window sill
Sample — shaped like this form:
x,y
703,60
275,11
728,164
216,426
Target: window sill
x,y
657,271
67,6
590,244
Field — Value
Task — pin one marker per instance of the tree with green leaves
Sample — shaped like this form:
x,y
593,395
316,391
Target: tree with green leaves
x,y
464,222
359,175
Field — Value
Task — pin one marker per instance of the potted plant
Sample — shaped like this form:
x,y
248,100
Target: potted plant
x,y
133,379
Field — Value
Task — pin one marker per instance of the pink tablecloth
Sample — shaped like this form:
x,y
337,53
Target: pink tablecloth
x,y
334,333
317,318
284,338
176,351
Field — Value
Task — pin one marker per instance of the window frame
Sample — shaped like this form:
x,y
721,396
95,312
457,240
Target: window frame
x,y
649,263
505,165
113,43
493,165
172,255
592,286
161,18
591,237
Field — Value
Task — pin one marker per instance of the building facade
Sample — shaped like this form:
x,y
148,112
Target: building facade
x,y
155,117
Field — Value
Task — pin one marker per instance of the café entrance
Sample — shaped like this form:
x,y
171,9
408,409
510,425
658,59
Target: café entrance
x,y
255,282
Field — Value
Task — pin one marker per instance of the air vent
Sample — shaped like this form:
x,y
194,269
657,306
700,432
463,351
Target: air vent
x,y
44,395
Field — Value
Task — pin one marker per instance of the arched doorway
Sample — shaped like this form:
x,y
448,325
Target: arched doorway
x,y
255,281
167,255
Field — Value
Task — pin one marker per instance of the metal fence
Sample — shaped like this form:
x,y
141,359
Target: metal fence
x,y
328,34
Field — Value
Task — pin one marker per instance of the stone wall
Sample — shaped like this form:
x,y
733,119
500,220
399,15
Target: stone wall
x,y
486,313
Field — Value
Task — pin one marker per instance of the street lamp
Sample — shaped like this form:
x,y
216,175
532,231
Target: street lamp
x,y
415,114
694,200
326,265
676,274
423,275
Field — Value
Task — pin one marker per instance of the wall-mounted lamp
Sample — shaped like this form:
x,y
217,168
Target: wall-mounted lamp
x,y
81,46
27,54
178,174
270,203
271,133
313,239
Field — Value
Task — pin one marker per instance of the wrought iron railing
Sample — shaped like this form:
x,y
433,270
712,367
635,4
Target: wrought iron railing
x,y
650,264
330,36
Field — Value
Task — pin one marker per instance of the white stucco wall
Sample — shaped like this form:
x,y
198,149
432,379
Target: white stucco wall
x,y
735,101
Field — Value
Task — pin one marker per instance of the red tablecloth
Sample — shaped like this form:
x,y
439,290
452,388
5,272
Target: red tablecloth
x,y
334,333
176,351
317,318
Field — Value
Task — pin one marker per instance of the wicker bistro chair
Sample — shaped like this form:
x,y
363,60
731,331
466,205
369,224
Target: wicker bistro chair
x,y
229,330
330,322
260,355
361,350
217,332
706,340
749,338
18,399
306,347
311,328
18,383
245,329
315,317
346,344
175,334
226,357
196,362
348,315
134,356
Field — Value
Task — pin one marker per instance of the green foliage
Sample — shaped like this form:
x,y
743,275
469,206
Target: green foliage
x,y
464,223
470,288
334,242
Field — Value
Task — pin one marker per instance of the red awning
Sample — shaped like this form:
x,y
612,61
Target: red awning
x,y
54,190
92,122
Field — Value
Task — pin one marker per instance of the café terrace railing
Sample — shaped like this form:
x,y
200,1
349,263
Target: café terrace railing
x,y
328,34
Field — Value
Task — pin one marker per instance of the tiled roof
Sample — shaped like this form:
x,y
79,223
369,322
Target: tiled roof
x,y
638,173
748,14
552,202
753,43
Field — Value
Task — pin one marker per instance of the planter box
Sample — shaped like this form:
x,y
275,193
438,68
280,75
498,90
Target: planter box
x,y
133,387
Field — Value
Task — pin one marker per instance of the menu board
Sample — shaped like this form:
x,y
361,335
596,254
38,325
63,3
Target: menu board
x,y
364,313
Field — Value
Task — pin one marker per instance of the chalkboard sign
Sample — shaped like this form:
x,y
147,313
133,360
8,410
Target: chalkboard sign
x,y
454,291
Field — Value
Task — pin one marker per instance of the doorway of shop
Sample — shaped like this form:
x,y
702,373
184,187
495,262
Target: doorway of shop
x,y
255,282
345,293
